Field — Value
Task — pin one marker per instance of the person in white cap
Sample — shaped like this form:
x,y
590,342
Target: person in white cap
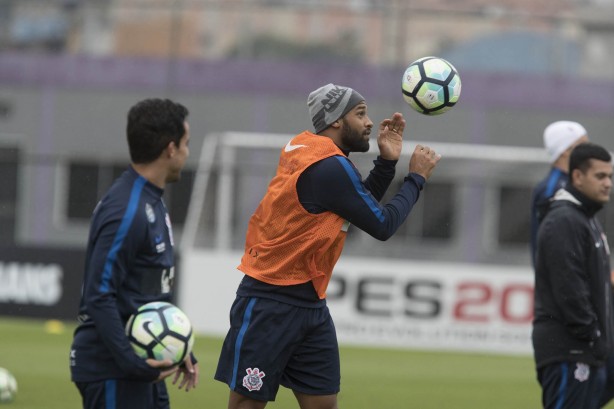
x,y
281,331
559,140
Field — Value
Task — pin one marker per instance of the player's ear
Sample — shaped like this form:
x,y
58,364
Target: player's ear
x,y
170,149
336,124
576,174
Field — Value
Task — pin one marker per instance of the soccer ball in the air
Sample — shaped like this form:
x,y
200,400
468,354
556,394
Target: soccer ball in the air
x,y
160,330
431,85
8,386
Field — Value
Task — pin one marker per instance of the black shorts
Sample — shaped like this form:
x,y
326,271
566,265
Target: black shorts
x,y
272,343
122,394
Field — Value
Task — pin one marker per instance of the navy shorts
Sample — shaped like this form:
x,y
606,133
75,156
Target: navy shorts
x,y
608,392
272,343
123,394
571,385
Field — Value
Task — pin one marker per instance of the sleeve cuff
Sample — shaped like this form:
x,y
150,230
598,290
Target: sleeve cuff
x,y
419,180
386,162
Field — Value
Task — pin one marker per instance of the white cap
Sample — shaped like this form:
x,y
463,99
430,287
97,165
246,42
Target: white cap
x,y
560,135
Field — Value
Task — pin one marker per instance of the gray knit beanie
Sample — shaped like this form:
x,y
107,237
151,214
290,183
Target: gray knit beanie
x,y
329,103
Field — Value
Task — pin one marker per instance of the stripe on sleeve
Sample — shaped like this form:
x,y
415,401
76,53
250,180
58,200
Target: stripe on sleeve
x,y
553,182
133,202
360,189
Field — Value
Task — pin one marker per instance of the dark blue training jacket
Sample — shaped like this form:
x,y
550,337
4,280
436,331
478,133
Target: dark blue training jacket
x,y
129,262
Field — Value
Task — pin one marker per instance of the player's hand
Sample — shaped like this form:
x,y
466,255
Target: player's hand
x,y
166,368
423,161
390,137
190,374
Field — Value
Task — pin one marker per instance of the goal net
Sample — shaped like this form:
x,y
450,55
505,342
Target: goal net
x,y
475,207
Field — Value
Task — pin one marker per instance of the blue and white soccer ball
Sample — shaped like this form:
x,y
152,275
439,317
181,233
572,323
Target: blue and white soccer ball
x,y
431,85
8,386
160,330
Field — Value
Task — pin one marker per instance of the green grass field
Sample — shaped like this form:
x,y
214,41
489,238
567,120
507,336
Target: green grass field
x,y
371,378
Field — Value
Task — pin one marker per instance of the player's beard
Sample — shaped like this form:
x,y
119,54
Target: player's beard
x,y
352,139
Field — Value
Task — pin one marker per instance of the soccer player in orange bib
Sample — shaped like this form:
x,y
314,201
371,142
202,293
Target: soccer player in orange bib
x,y
281,331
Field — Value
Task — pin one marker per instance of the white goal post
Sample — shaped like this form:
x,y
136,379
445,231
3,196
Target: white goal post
x,y
218,153
394,299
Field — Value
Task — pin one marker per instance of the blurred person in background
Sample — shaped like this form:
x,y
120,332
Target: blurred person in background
x,y
573,325
281,331
130,262
559,140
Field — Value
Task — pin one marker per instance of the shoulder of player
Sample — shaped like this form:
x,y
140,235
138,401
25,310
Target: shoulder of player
x,y
564,219
330,168
125,204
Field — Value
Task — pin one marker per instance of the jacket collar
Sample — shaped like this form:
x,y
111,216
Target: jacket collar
x,y
573,195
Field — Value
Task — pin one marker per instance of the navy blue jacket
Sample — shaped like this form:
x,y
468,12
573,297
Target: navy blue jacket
x,y
129,262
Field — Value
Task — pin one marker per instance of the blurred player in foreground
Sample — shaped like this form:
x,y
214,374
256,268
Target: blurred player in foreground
x,y
130,262
573,326
559,140
281,331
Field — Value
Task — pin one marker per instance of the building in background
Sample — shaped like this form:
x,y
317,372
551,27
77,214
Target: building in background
x,y
69,69
384,32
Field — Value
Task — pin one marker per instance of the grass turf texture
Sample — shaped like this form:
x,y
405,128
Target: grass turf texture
x,y
371,378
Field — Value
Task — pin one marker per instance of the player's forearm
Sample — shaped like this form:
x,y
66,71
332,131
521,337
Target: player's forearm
x,y
102,310
380,177
382,222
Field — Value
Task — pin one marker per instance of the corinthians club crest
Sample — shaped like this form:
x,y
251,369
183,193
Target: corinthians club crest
x,y
582,372
253,380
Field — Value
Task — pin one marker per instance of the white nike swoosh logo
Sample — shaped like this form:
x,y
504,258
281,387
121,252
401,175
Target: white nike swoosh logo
x,y
289,147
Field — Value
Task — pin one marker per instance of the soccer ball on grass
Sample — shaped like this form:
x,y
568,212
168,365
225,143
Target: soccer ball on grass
x,y
431,85
160,330
8,386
